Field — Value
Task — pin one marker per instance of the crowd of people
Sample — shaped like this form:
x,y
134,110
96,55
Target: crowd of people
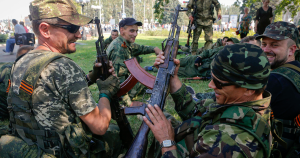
x,y
252,111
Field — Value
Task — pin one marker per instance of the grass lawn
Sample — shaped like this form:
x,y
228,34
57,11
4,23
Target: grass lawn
x,y
86,55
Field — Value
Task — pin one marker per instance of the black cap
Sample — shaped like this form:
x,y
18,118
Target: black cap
x,y
129,21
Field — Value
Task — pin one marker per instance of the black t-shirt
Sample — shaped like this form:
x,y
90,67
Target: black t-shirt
x,y
263,18
285,101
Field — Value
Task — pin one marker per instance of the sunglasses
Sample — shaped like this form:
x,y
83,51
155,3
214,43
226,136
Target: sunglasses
x,y
71,28
219,84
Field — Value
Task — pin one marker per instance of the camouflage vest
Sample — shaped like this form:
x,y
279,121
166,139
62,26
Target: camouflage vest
x,y
190,129
22,118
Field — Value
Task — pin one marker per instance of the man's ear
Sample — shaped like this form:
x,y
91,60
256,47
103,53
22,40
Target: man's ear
x,y
292,50
44,29
249,92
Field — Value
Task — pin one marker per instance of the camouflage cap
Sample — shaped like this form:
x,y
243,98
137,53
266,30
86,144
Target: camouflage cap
x,y
280,31
234,40
244,64
63,9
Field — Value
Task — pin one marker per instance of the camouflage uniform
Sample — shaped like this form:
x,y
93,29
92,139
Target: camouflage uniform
x,y
200,50
4,84
119,51
108,41
231,130
48,94
204,20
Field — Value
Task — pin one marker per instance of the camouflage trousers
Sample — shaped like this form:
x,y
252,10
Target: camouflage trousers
x,y
208,30
187,49
110,146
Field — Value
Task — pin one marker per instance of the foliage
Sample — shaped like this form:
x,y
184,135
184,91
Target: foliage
x,y
3,38
281,6
216,34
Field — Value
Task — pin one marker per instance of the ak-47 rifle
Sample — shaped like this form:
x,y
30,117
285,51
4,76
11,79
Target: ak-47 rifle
x,y
126,134
192,24
160,88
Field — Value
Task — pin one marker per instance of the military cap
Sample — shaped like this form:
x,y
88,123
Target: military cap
x,y
244,64
63,9
234,40
129,21
280,31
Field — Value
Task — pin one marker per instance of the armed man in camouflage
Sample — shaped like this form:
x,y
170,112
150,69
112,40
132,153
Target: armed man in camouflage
x,y
52,112
123,48
198,65
220,42
235,124
113,35
280,41
204,20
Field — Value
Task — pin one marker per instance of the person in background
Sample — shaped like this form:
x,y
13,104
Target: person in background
x,y
263,18
19,29
22,23
245,23
113,35
251,40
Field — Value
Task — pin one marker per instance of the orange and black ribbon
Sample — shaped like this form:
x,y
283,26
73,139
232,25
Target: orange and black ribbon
x,y
272,115
124,45
8,87
26,87
297,120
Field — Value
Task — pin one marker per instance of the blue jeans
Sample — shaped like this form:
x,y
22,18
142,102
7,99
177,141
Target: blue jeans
x,y
10,43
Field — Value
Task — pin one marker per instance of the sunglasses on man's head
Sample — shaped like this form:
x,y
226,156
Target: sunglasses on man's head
x,y
219,84
71,28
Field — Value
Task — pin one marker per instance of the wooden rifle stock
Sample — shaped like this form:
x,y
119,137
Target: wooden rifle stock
x,y
126,133
159,92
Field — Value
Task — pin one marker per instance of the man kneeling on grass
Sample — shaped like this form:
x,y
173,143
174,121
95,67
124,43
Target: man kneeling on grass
x,y
235,124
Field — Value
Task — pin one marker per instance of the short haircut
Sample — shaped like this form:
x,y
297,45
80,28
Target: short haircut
x,y
290,42
21,23
259,91
114,30
24,49
250,38
14,21
36,24
225,37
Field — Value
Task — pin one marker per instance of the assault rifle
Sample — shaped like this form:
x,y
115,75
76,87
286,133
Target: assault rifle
x,y
160,88
126,133
192,24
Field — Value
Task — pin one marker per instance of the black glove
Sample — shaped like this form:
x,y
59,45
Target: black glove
x,y
110,86
198,61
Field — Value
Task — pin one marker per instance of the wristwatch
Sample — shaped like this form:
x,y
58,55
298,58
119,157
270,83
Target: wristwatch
x,y
167,143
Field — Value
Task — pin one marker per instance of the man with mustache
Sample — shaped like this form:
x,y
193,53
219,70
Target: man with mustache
x,y
52,111
280,41
123,48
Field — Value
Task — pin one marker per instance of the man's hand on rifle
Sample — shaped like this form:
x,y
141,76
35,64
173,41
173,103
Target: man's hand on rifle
x,y
191,18
96,72
161,127
109,87
175,83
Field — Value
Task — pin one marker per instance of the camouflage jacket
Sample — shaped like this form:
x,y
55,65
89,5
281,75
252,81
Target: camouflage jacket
x,y
4,85
215,45
108,41
207,57
214,136
120,50
59,97
203,16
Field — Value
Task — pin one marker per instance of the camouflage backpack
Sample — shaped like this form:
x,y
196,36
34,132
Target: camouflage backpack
x,y
22,118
